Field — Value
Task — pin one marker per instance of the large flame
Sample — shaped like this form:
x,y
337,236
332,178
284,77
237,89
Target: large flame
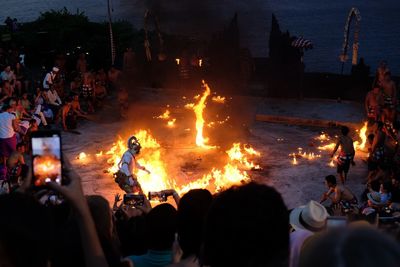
x,y
363,137
234,172
198,109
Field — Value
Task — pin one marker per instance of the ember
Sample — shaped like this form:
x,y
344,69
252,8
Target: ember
x,y
81,156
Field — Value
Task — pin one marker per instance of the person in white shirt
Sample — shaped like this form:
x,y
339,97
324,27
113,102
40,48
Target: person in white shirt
x,y
8,128
50,78
126,177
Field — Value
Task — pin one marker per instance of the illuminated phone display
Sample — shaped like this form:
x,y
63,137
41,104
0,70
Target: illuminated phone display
x,y
46,156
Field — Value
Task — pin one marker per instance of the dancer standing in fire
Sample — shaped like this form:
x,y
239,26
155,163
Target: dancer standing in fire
x,y
126,177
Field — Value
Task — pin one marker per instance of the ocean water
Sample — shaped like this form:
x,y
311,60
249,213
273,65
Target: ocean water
x,y
321,21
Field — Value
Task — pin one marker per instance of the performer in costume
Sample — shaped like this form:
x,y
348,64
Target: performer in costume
x,y
346,155
126,177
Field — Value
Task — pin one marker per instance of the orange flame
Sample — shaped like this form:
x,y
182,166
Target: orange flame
x,y
218,99
201,141
171,123
363,137
164,116
82,156
178,61
233,173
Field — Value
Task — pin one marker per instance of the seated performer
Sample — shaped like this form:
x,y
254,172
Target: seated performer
x,y
126,177
346,155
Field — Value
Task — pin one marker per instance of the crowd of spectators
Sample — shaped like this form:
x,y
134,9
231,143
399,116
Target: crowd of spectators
x,y
247,225
58,99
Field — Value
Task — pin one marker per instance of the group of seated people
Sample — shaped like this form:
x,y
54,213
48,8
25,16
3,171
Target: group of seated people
x,y
52,105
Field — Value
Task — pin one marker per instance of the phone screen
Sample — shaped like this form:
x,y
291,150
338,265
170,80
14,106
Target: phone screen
x,y
46,159
335,222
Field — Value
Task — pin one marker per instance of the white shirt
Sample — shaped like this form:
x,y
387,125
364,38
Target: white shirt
x,y
6,125
53,97
7,76
48,80
128,164
297,239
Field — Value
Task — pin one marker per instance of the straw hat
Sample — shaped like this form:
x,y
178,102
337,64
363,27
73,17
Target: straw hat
x,y
310,217
375,198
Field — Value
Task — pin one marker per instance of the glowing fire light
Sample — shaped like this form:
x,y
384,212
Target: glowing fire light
x,y
201,141
236,153
99,154
233,173
46,167
363,137
200,62
164,116
218,99
189,106
82,156
171,123
294,161
178,61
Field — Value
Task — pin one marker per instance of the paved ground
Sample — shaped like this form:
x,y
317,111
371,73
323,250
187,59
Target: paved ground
x,y
297,184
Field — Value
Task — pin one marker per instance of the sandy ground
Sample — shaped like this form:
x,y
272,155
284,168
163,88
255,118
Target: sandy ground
x,y
297,183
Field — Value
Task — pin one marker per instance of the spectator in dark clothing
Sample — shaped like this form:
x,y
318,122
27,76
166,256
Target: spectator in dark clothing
x,y
26,230
359,247
192,211
102,216
160,231
395,192
247,226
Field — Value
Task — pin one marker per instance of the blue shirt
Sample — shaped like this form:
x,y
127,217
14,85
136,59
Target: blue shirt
x,y
153,258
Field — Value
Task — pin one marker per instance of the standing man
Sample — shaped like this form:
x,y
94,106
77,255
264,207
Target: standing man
x,y
8,128
8,75
50,78
389,100
372,104
346,155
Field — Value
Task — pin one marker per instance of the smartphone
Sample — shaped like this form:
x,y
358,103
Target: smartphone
x,y
46,157
134,200
336,222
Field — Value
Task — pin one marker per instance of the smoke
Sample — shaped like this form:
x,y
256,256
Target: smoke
x,y
201,18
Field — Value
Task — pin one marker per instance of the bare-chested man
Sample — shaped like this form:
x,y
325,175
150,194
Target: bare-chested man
x,y
346,155
389,100
372,102
340,192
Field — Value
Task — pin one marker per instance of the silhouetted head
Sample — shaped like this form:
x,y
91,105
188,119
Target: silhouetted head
x,y
345,130
26,231
330,180
192,210
355,247
247,226
161,227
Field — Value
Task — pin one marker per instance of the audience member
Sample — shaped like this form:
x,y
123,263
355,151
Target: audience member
x,y
357,247
250,222
160,232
